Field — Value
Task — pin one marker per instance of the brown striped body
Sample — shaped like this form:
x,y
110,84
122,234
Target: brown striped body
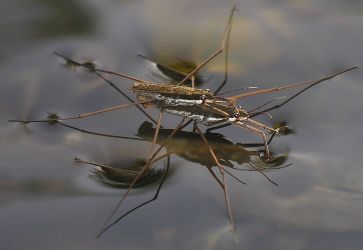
x,y
197,104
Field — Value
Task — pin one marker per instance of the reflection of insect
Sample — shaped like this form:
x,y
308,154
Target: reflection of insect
x,y
200,106
189,146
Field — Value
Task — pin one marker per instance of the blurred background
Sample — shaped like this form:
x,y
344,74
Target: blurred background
x,y
48,201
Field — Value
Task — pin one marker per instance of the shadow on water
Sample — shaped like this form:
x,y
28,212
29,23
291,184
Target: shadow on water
x,y
189,146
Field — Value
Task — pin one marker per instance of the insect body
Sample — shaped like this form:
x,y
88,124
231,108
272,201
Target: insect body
x,y
200,105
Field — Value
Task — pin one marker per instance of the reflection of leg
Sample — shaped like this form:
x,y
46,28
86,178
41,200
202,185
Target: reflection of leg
x,y
260,171
100,134
80,116
215,177
256,131
220,166
218,127
254,145
143,203
180,126
142,171
224,182
93,163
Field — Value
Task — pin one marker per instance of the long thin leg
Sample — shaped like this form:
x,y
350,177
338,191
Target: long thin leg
x,y
265,104
295,95
142,204
126,96
156,135
93,69
215,177
220,87
234,90
256,131
275,89
217,110
258,124
82,130
222,46
229,123
224,182
151,160
80,116
228,204
142,171
247,120
180,126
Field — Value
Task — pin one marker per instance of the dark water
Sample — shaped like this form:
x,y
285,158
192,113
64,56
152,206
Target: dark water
x,y
48,201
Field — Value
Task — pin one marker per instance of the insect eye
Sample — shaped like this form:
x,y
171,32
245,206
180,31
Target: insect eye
x,y
203,98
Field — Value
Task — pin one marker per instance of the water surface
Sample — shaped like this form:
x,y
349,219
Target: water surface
x,y
48,201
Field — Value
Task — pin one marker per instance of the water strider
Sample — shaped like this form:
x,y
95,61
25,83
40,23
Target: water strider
x,y
195,105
